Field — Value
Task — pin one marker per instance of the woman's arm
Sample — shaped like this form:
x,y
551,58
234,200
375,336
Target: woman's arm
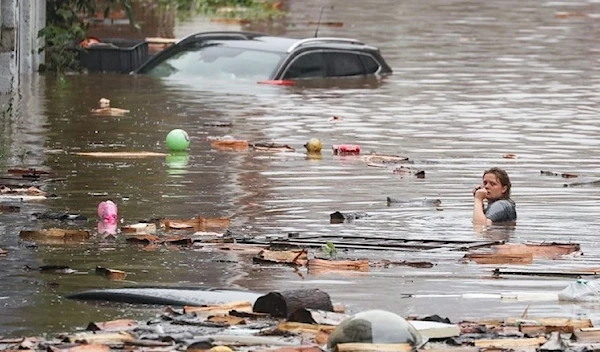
x,y
479,217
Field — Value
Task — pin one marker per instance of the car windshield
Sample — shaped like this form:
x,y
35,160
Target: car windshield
x,y
216,61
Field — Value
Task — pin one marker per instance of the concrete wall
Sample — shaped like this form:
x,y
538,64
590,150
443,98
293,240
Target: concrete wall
x,y
20,21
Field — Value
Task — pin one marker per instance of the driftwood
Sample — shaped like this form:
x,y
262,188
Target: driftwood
x,y
563,175
544,250
113,325
295,258
272,147
338,217
499,258
358,265
595,182
283,303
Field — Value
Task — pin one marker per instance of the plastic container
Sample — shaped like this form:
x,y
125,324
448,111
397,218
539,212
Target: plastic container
x,y
114,55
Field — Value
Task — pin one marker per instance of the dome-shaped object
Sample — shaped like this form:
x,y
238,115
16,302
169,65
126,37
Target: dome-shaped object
x,y
375,326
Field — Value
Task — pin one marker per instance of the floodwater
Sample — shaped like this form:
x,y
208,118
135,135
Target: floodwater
x,y
472,81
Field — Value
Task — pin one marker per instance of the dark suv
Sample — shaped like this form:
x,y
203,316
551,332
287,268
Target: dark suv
x,y
260,57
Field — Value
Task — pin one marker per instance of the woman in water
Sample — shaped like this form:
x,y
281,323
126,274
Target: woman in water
x,y
496,190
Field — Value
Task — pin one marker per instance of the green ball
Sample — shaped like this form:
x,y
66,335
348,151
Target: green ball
x,y
178,140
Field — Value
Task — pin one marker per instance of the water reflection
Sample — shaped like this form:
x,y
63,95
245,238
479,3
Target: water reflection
x,y
177,163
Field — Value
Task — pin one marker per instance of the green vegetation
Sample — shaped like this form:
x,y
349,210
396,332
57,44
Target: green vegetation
x,y
66,25
329,250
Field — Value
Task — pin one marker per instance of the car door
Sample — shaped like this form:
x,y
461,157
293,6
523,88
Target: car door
x,y
306,65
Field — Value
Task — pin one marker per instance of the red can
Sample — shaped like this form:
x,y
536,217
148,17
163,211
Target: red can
x,y
343,149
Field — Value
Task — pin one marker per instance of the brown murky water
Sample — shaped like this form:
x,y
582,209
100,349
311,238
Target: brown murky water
x,y
473,80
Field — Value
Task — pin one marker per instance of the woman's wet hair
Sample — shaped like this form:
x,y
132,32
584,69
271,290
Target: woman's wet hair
x,y
502,177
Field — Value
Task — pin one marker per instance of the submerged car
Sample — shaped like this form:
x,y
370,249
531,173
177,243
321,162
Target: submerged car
x,y
264,58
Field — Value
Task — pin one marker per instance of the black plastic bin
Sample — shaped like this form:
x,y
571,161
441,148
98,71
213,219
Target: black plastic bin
x,y
114,55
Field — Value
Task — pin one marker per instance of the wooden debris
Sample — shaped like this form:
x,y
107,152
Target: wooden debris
x,y
95,337
141,227
586,334
227,320
499,258
295,327
220,309
283,303
125,155
509,343
509,156
29,191
142,239
594,182
565,325
3,252
574,274
272,147
113,325
328,24
230,144
282,257
30,172
374,347
295,349
563,175
54,269
92,347
388,263
112,274
54,235
218,124
198,223
357,265
544,250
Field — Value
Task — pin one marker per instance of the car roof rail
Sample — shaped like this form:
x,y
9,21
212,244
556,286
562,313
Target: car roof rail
x,y
221,35
302,42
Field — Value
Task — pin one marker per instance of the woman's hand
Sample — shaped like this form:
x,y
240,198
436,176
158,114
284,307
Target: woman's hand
x,y
480,193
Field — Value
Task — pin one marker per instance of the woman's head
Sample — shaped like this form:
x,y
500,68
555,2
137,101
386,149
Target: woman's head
x,y
497,183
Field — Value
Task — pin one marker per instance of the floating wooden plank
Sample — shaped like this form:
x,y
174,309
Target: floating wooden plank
x,y
544,250
372,243
296,327
499,258
55,235
356,265
586,335
510,343
374,347
238,306
384,158
299,257
125,155
566,325
272,147
198,223
563,175
498,272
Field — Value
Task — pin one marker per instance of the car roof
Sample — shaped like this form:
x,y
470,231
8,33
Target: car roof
x,y
261,41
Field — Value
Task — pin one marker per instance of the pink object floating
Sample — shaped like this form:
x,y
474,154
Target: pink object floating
x,y
107,212
346,149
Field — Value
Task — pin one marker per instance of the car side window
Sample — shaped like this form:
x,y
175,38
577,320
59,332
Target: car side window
x,y
344,64
371,66
310,65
